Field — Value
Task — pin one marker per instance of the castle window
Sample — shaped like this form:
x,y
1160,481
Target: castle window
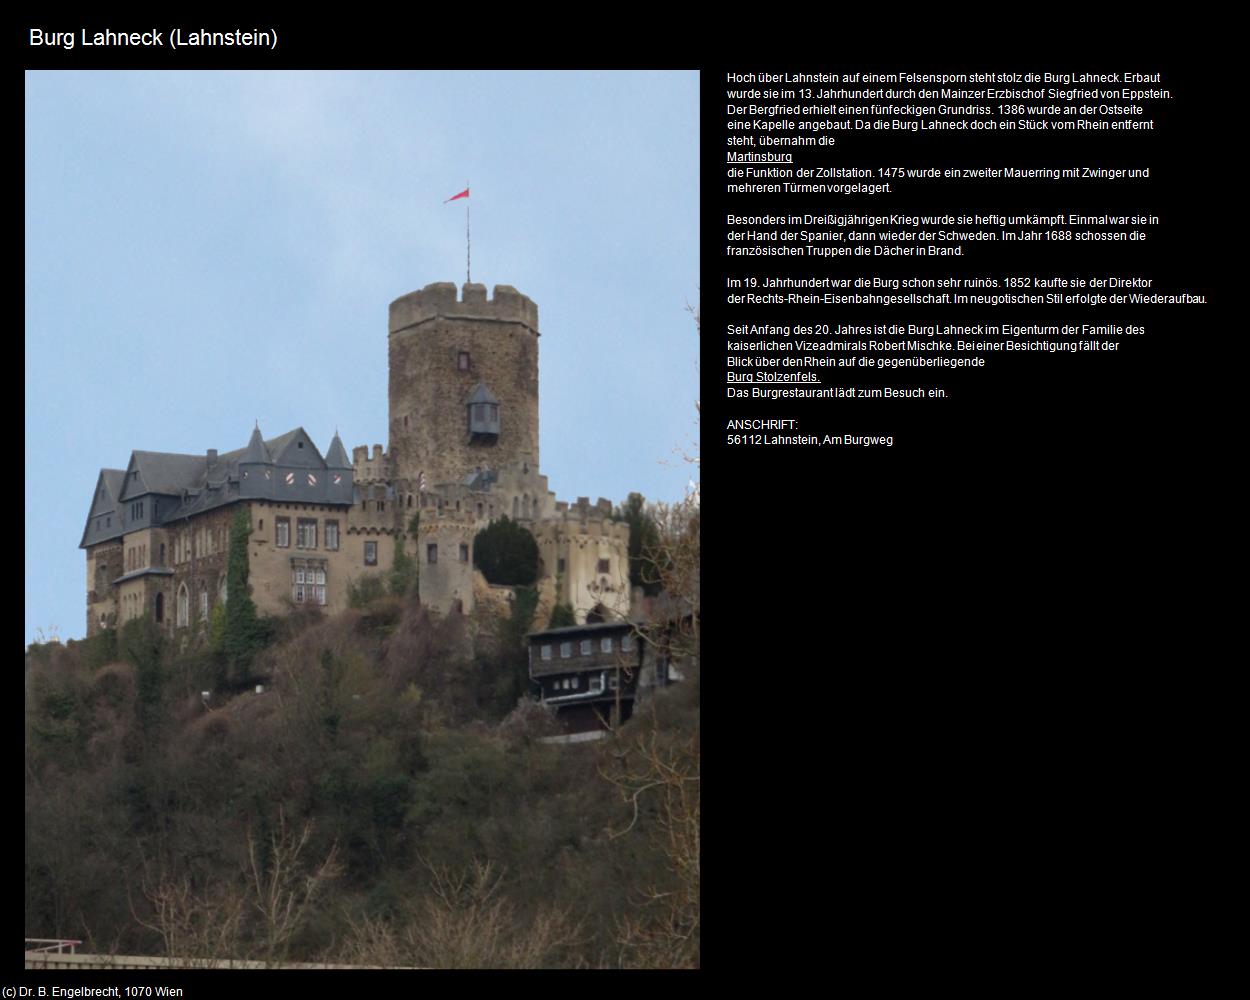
x,y
305,533
203,602
566,650
162,554
462,361
410,501
586,647
319,588
605,566
559,565
405,423
332,535
184,606
160,608
431,554
576,683
221,589
464,552
381,505
547,652
605,645
262,525
627,642
298,582
371,553
282,532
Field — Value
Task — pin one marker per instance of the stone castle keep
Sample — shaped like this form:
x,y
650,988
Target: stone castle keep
x,y
464,451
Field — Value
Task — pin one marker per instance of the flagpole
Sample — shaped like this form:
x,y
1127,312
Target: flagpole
x,y
468,246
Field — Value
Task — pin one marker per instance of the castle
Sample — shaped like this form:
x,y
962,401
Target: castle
x,y
463,451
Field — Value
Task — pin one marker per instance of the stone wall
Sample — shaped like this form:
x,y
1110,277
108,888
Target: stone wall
x,y
430,330
447,581
105,564
271,566
197,550
588,555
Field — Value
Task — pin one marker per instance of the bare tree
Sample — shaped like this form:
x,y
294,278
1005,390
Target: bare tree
x,y
283,887
198,929
663,780
466,922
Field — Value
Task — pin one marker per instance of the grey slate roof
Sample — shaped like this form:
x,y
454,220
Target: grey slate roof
x,y
482,395
146,571
113,479
199,485
569,630
105,508
163,472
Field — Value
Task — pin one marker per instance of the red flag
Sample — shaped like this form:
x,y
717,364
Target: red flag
x,y
462,194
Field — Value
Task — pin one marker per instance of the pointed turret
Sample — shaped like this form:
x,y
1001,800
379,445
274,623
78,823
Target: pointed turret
x,y
336,456
255,453
339,472
256,467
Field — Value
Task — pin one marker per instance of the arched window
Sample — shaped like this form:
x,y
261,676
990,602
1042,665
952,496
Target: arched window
x,y
184,606
160,608
203,602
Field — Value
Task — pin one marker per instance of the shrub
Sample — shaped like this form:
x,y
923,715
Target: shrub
x,y
506,553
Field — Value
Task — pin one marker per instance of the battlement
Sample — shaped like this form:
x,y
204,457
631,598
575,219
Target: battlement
x,y
583,509
507,305
378,464
581,519
434,520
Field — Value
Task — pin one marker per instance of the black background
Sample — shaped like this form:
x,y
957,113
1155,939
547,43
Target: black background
x,y
982,663
957,694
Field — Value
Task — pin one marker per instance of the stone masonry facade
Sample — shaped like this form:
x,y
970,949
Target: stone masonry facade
x,y
463,451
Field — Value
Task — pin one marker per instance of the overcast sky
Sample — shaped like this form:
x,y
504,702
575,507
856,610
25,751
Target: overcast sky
x,y
208,249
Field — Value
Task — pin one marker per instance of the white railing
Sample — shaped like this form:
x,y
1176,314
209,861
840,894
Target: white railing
x,y
57,946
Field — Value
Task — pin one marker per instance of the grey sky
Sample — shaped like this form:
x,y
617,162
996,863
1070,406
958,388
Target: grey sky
x,y
207,249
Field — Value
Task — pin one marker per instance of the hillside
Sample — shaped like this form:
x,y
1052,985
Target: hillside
x,y
383,800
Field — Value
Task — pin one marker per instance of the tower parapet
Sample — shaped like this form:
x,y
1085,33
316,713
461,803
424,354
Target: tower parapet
x,y
439,299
